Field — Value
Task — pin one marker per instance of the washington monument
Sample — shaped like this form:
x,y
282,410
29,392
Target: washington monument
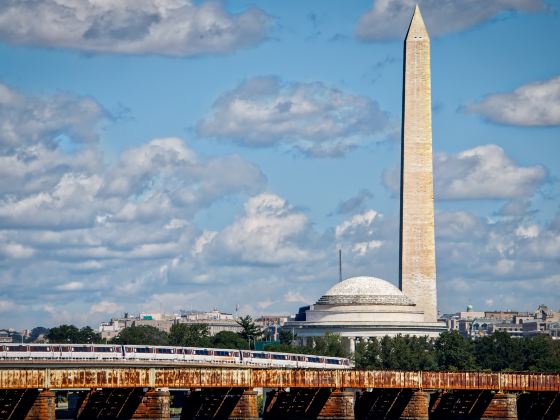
x,y
417,243
362,307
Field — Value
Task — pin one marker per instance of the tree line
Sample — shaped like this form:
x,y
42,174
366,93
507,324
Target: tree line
x,y
451,351
181,334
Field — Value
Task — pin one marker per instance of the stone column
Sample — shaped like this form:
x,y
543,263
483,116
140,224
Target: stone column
x,y
246,407
340,405
417,407
502,406
43,408
352,344
154,405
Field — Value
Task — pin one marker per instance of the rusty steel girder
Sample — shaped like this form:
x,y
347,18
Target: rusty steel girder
x,y
228,377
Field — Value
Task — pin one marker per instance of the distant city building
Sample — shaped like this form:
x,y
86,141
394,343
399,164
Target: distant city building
x,y
475,324
271,325
5,336
217,321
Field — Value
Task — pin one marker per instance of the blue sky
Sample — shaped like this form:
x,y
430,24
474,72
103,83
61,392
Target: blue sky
x,y
166,154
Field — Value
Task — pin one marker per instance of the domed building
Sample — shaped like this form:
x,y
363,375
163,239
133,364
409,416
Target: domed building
x,y
363,307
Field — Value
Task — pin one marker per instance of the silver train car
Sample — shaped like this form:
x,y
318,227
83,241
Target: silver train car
x,y
187,355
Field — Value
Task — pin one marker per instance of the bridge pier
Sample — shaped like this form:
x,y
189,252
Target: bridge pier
x,y
246,408
154,405
43,406
417,407
339,405
502,406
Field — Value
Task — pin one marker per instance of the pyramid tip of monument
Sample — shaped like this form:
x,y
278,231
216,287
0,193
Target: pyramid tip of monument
x,y
417,29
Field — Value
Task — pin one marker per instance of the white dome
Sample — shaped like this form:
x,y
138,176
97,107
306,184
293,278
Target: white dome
x,y
364,290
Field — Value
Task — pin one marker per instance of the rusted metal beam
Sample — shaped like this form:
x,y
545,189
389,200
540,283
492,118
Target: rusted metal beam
x,y
204,377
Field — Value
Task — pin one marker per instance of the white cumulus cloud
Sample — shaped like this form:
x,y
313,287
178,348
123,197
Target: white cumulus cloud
x,y
311,117
484,172
389,19
534,104
271,231
105,307
167,27
27,119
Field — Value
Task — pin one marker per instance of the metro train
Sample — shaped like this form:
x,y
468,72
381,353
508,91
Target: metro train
x,y
193,355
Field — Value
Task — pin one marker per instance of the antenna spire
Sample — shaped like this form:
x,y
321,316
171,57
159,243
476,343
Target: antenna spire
x,y
339,265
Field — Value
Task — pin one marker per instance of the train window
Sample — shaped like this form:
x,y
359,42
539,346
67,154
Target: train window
x,y
16,348
246,354
82,349
279,356
188,351
143,350
203,352
332,362
39,348
102,349
164,351
259,355
294,358
221,353
129,349
65,348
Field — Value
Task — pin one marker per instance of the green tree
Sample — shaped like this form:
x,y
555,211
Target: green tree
x,y
228,340
388,354
368,354
142,335
249,330
287,336
329,345
454,352
37,332
541,353
88,335
552,362
71,334
189,335
396,353
499,351
63,334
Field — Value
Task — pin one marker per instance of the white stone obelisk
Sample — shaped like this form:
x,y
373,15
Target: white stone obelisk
x,y
417,242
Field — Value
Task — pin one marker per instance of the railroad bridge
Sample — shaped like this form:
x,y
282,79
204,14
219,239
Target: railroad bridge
x,y
111,392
